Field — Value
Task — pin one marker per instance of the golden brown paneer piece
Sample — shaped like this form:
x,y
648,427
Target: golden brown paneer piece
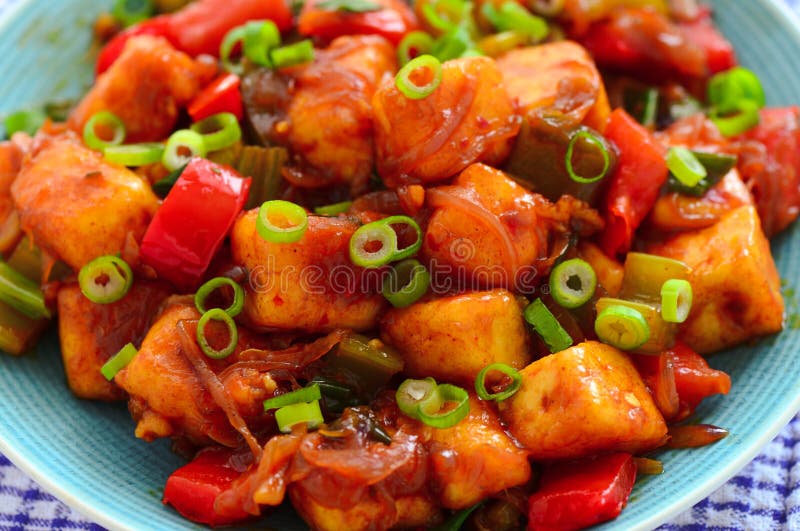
x,y
736,286
484,228
475,459
609,271
453,338
146,88
582,401
309,285
330,113
557,77
468,118
76,206
92,333
167,396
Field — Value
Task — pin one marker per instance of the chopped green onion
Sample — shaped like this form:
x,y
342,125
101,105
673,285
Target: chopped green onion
x,y
21,293
457,521
592,139
513,17
455,11
182,146
281,221
454,415
216,314
214,284
370,361
500,43
306,394
349,6
409,87
684,166
105,279
381,232
129,12
292,54
135,154
118,361
410,250
547,326
257,38
745,118
307,413
333,210
642,104
717,165
229,42
646,273
24,121
218,131
414,396
406,283
622,327
418,41
572,283
104,120
726,90
335,396
662,333
508,392
454,44
163,187
676,300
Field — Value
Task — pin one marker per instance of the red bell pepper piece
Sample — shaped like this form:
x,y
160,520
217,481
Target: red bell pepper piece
x,y
581,493
193,488
694,379
393,21
199,27
640,172
719,52
222,95
158,27
188,229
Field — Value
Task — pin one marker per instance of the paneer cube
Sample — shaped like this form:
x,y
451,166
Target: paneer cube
x,y
76,206
736,286
309,285
453,338
582,401
91,333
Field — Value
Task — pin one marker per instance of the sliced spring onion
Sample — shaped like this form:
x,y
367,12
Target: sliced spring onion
x,y
508,392
134,155
622,327
292,54
646,273
500,43
105,279
106,121
744,118
684,166
456,521
513,17
406,283
218,131
335,395
444,15
450,416
349,6
717,165
216,314
411,250
21,293
547,326
181,146
307,413
662,333
163,187
423,65
372,235
129,12
260,38
334,209
281,221
414,396
214,284
371,362
24,121
726,90
572,283
118,361
417,41
306,394
590,138
676,300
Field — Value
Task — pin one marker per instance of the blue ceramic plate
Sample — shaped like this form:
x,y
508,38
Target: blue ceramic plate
x,y
86,454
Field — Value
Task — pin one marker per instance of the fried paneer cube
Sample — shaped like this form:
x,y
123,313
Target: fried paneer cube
x,y
308,285
76,206
453,338
91,333
556,77
582,401
736,286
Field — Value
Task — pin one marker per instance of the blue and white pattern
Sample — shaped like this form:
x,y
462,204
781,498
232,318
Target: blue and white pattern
x,y
763,496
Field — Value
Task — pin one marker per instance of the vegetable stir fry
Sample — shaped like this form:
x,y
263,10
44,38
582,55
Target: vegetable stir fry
x,y
455,263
